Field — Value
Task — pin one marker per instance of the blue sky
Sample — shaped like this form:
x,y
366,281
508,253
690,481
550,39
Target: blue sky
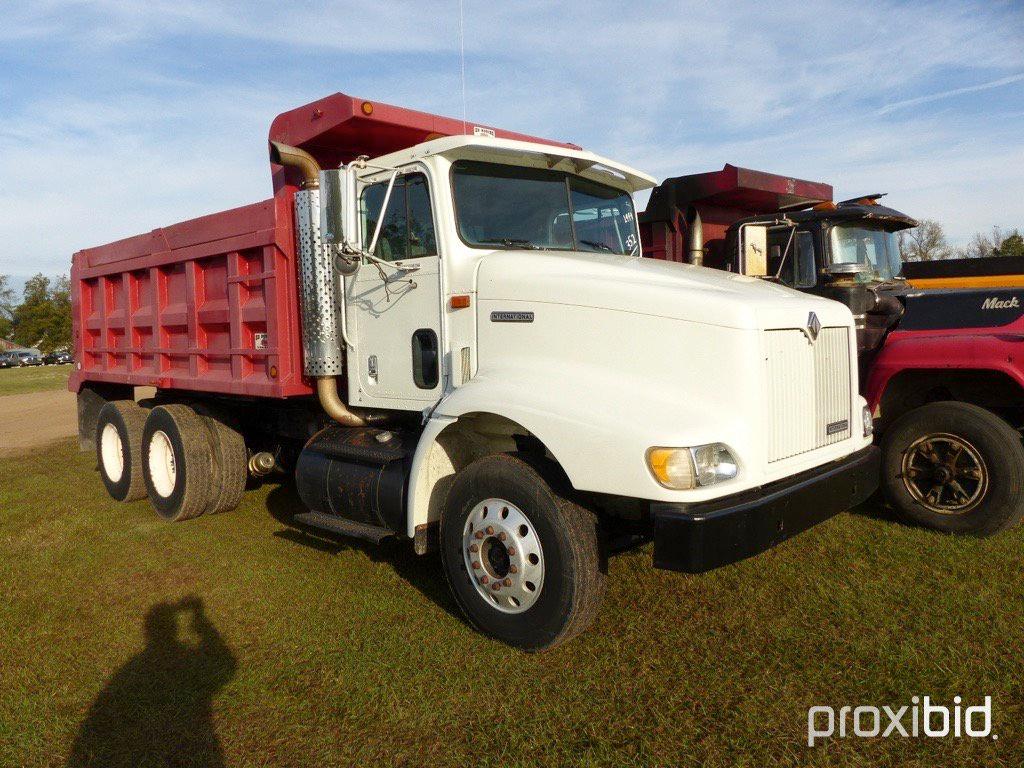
x,y
117,117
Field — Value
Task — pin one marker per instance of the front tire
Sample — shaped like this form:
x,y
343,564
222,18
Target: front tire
x,y
954,467
178,462
523,562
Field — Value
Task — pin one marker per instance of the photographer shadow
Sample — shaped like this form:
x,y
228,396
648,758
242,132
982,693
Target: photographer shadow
x,y
157,709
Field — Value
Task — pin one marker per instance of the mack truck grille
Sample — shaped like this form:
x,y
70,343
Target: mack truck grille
x,y
808,390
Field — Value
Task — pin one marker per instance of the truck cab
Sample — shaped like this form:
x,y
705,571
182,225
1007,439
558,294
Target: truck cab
x,y
446,333
937,367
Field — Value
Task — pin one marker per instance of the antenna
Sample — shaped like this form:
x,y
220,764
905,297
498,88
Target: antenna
x,y
462,62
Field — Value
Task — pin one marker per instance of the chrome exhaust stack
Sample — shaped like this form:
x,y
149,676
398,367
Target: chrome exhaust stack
x,y
320,306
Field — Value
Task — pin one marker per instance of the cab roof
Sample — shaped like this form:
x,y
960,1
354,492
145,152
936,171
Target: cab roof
x,y
526,153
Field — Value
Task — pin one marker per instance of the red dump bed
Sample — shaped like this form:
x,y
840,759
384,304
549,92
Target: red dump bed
x,y
720,198
211,304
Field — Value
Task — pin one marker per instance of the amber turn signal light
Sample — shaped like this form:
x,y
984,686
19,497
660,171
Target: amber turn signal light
x,y
460,302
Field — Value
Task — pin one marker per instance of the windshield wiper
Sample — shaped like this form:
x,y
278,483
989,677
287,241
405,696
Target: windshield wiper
x,y
512,242
595,244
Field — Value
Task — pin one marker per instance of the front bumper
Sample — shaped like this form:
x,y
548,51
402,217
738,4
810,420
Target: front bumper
x,y
698,537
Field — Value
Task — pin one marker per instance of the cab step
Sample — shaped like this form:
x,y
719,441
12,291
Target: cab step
x,y
336,524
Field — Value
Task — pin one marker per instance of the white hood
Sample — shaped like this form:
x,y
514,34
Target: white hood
x,y
650,287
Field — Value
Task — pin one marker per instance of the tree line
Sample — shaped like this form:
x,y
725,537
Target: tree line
x,y
927,242
42,318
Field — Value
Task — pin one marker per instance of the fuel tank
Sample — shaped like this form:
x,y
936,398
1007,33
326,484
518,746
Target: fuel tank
x,y
357,474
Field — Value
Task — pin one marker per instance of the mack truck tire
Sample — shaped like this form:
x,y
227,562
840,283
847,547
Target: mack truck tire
x,y
230,463
523,562
178,462
119,449
954,467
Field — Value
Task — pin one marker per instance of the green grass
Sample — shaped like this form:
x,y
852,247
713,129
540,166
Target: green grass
x,y
329,653
18,381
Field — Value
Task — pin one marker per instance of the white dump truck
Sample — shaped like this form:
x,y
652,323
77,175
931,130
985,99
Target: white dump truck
x,y
447,333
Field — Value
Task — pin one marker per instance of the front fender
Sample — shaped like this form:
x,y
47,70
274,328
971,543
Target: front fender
x,y
599,439
918,351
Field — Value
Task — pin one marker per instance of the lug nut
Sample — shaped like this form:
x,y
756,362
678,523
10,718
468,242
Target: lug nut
x,y
476,566
484,579
502,535
479,534
513,569
507,582
496,586
512,551
490,530
473,548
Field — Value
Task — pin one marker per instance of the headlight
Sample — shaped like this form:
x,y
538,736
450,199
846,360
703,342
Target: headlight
x,y
869,422
683,468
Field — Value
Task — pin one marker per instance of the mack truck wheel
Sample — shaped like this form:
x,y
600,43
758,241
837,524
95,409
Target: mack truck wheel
x,y
119,449
178,462
523,562
954,467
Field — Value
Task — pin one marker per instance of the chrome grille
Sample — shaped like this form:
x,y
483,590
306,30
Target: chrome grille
x,y
808,390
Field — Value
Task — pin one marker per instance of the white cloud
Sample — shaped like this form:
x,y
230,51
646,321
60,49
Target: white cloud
x,y
951,93
137,136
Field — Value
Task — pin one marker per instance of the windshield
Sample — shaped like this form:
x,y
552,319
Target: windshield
x,y
507,206
867,245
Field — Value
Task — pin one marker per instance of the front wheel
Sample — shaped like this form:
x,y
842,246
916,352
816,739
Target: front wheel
x,y
954,467
523,562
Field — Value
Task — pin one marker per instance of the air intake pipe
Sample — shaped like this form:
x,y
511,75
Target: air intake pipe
x,y
321,346
694,238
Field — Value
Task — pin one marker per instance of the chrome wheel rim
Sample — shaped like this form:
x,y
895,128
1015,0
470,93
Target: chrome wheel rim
x,y
112,453
945,474
503,556
163,470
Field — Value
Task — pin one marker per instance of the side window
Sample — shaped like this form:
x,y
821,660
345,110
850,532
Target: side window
x,y
408,228
422,241
805,263
799,270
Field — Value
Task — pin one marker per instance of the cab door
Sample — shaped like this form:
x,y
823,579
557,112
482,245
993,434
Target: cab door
x,y
394,308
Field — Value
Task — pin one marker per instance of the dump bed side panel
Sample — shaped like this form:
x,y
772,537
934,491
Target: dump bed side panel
x,y
209,305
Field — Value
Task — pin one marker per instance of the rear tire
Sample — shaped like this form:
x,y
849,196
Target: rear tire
x,y
231,463
954,467
119,449
178,462
503,525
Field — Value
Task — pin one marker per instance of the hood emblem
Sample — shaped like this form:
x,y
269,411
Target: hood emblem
x,y
813,327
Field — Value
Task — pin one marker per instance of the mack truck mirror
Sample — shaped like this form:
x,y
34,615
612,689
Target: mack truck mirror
x,y
754,250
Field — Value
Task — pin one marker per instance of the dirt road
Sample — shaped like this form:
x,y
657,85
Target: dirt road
x,y
35,419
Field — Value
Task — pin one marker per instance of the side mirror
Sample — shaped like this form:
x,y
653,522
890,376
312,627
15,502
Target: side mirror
x,y
754,250
339,215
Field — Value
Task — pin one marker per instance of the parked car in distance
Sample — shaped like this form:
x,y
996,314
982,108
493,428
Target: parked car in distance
x,y
29,358
62,357
8,360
